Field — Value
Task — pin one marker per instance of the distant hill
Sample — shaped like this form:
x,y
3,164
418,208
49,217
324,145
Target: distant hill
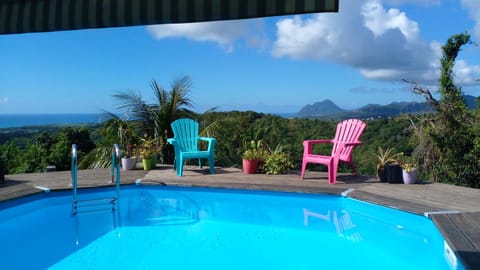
x,y
470,101
329,110
326,107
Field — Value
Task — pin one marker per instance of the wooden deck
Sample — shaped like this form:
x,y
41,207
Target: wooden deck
x,y
454,210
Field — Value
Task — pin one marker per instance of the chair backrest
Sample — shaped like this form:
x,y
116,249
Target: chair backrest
x,y
185,131
347,131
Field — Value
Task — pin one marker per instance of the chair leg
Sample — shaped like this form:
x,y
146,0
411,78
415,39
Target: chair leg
x,y
180,168
200,163
304,166
332,176
212,166
332,173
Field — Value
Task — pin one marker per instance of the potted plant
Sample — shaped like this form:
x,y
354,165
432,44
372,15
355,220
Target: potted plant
x,y
146,152
409,172
277,162
385,159
252,156
127,137
128,160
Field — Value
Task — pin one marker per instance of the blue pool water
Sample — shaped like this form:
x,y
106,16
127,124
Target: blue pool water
x,y
185,228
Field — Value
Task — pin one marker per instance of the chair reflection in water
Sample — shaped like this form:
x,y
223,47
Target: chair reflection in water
x,y
343,223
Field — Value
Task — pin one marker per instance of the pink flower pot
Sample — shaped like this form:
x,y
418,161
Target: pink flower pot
x,y
250,166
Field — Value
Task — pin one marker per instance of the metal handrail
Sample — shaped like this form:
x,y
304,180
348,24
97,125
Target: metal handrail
x,y
116,155
114,177
74,175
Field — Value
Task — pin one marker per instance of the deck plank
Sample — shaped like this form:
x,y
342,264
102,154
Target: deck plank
x,y
462,233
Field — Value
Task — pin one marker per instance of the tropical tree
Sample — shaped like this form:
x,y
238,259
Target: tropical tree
x,y
60,152
450,139
10,153
153,120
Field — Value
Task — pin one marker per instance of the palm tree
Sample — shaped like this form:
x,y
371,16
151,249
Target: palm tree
x,y
153,119
172,104
148,120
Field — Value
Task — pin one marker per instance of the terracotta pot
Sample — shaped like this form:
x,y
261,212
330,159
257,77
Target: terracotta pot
x,y
250,166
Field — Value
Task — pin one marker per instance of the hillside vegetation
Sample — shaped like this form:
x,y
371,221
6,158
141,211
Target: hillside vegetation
x,y
232,130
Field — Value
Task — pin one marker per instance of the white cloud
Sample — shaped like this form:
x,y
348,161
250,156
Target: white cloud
x,y
381,43
473,7
223,33
416,2
466,74
379,20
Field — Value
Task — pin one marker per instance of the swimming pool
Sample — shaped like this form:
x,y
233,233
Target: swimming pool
x,y
159,227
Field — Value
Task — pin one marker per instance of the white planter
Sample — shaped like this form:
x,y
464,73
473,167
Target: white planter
x,y
129,163
410,177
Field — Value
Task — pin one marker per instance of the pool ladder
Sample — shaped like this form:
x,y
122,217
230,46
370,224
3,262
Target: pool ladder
x,y
96,204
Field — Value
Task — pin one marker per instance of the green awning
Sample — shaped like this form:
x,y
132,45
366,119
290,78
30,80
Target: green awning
x,y
24,16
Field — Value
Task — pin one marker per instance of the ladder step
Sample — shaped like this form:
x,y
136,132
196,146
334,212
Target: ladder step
x,y
79,210
94,205
96,200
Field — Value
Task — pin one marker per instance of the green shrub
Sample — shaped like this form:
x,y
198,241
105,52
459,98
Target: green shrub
x,y
277,162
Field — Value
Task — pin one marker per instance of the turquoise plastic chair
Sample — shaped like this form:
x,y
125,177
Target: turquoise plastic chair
x,y
185,142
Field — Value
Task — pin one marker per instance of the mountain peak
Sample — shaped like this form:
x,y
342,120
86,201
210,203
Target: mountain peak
x,y
328,110
321,108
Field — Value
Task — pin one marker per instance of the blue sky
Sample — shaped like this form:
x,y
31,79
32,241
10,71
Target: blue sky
x,y
355,57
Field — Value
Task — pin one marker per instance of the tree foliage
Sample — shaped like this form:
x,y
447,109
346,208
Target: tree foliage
x,y
45,149
447,142
152,120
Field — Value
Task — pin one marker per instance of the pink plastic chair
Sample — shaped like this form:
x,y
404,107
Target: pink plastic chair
x,y
346,137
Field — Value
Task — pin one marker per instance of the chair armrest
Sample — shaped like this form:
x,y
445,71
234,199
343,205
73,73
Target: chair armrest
x,y
353,143
208,139
308,145
172,141
312,142
211,143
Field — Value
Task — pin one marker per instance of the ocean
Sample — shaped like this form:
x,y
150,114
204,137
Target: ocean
x,y
22,120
